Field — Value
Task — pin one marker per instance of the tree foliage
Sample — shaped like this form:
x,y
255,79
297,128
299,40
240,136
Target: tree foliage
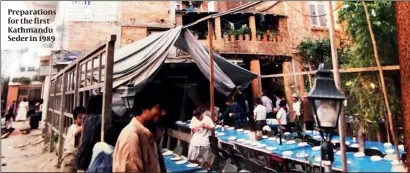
x,y
315,51
365,99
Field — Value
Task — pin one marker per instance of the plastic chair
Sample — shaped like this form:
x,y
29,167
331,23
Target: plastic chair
x,y
230,168
178,150
373,152
240,161
254,166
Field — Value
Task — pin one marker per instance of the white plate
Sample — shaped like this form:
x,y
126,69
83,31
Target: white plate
x,y
290,142
301,155
395,162
309,131
272,139
387,144
287,133
255,143
354,145
287,153
218,126
239,130
317,137
316,148
167,153
230,128
339,153
334,141
240,140
401,147
181,162
192,165
374,148
271,148
376,158
347,143
246,131
247,142
261,145
302,144
220,134
359,154
265,137
176,158
226,126
318,159
390,151
231,138
180,122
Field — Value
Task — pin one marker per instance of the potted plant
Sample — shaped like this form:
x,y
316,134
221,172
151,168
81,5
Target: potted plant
x,y
232,34
247,33
259,34
239,32
225,35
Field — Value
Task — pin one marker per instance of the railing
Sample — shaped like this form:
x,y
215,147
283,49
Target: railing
x,y
89,75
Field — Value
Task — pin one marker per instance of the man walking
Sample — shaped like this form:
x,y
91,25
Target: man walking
x,y
136,149
297,112
267,102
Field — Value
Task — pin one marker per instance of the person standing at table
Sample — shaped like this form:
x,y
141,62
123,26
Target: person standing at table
x,y
259,114
282,115
201,128
22,110
297,112
267,103
136,149
234,114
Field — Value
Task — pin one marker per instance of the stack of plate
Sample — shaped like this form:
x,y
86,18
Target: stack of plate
x,y
359,154
376,158
287,153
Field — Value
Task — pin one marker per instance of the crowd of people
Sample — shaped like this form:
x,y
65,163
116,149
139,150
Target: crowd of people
x,y
21,112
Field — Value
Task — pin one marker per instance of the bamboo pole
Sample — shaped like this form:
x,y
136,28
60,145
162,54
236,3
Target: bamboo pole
x,y
336,76
211,65
386,100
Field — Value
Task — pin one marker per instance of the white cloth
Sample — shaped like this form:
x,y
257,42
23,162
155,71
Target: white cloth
x,y
296,107
200,138
22,111
100,147
260,112
267,102
194,151
281,116
69,142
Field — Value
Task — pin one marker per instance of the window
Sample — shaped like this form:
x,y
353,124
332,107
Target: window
x,y
318,13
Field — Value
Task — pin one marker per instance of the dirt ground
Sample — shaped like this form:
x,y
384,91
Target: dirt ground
x,y
25,153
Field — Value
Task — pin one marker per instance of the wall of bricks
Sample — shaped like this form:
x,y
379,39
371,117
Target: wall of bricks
x,y
83,36
131,34
155,12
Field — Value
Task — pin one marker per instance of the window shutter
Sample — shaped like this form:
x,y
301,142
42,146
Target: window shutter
x,y
322,14
312,11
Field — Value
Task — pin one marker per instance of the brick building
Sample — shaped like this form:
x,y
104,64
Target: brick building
x,y
81,24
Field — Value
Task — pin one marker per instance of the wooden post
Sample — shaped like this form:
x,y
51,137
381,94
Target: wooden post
x,y
386,100
402,10
107,95
256,83
336,77
218,30
47,115
252,26
61,121
211,61
52,115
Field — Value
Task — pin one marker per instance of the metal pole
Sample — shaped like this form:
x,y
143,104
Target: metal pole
x,y
211,61
336,77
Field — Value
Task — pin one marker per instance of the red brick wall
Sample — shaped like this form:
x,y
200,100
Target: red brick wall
x,y
12,95
131,34
83,36
145,11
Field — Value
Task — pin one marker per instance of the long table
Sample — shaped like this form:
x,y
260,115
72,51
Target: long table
x,y
173,167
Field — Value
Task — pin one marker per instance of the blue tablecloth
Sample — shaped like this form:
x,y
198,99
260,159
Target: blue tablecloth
x,y
363,164
173,167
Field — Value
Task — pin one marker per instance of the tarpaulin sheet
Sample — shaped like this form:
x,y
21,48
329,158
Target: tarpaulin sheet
x,y
138,62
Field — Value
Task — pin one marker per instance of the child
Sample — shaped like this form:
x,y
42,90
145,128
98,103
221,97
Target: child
x,y
68,163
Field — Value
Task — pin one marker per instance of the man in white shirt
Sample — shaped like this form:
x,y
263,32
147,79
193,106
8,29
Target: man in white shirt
x,y
296,106
69,163
267,102
201,127
259,114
